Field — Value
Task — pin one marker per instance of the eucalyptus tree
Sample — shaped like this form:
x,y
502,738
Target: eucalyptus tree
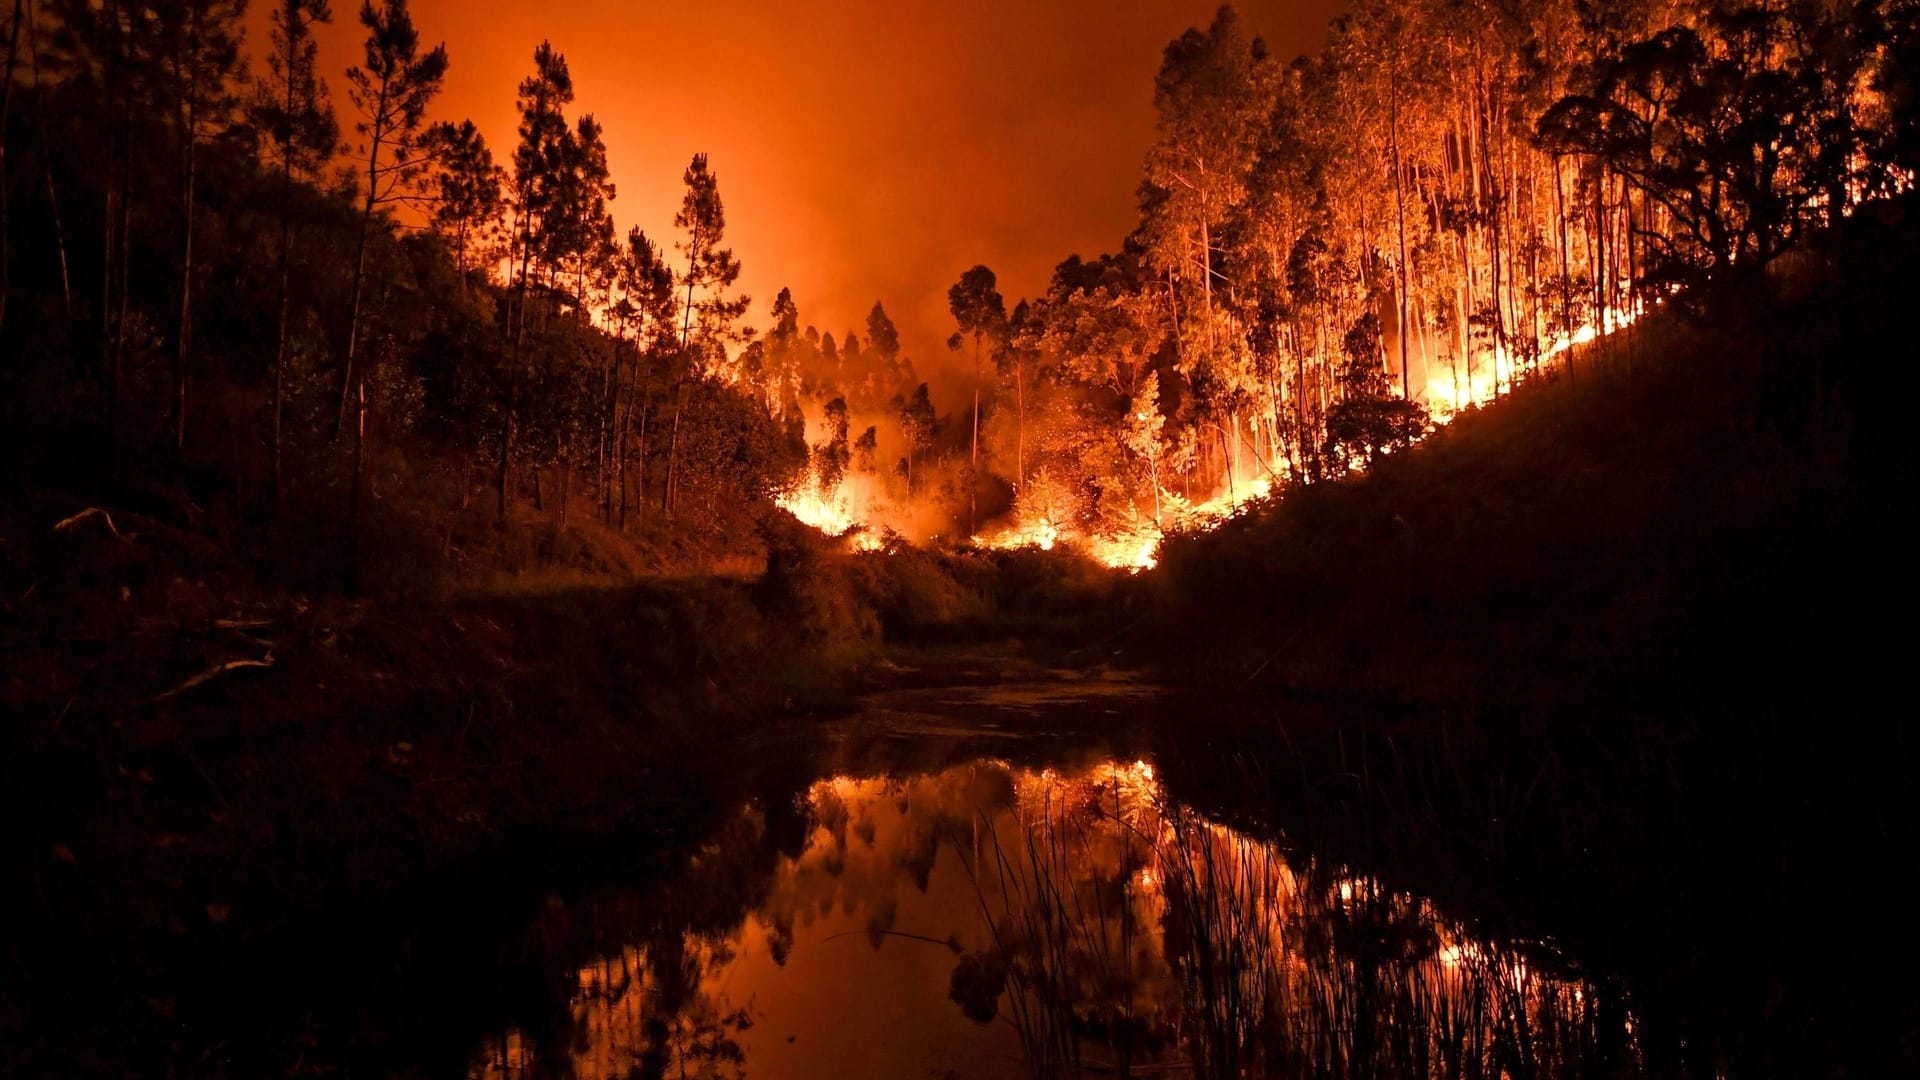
x,y
917,421
883,369
1212,96
294,121
1722,125
787,361
981,315
1018,360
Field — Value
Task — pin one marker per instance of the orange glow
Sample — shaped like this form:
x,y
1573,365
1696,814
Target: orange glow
x,y
1448,394
1136,548
843,513
1076,877
848,137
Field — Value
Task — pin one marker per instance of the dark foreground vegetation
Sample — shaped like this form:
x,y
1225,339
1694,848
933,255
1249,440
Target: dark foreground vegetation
x,y
200,768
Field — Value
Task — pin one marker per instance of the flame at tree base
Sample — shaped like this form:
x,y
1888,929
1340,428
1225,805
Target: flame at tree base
x,y
1134,545
829,512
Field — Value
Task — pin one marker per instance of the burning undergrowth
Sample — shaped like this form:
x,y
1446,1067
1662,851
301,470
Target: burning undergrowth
x,y
848,600
1112,503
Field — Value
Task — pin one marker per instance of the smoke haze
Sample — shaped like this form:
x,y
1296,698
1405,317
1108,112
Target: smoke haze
x,y
866,150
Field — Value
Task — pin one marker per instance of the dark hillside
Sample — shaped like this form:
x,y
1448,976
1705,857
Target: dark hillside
x,y
1620,661
1703,516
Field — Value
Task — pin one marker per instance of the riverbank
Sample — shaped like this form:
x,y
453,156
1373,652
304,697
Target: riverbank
x,y
200,762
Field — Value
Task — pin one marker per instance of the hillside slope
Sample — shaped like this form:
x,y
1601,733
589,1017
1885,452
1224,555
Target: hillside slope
x,y
1701,515
1613,661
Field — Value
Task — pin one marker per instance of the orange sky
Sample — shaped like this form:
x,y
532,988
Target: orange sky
x,y
866,149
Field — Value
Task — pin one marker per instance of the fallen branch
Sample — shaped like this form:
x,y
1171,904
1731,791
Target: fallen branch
x,y
91,511
211,674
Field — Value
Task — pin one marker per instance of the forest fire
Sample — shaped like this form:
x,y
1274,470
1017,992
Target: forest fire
x,y
431,444
848,510
830,512
1112,902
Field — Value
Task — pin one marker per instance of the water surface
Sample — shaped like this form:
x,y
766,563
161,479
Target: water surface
x,y
1059,917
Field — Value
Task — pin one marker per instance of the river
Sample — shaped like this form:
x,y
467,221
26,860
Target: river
x,y
1000,882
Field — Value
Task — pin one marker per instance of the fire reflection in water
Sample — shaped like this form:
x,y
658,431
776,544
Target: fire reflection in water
x,y
988,920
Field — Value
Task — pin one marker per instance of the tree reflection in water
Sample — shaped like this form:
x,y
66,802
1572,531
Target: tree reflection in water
x,y
1082,923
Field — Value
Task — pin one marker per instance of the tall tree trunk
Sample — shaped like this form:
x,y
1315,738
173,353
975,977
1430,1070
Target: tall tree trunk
x,y
1633,276
286,264
508,416
348,373
612,433
120,264
1400,212
1566,264
973,468
1596,249
670,493
280,350
183,336
46,156
517,331
640,462
353,493
1020,441
6,116
673,451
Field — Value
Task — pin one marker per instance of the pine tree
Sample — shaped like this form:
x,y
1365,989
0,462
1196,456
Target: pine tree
x,y
467,191
199,42
295,122
981,314
6,136
710,318
391,93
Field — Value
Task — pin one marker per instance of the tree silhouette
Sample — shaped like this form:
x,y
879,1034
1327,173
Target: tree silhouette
x,y
468,192
294,120
711,271
391,91
199,41
981,314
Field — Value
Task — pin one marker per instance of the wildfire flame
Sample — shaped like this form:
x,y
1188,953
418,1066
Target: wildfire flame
x,y
831,512
1450,393
843,512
